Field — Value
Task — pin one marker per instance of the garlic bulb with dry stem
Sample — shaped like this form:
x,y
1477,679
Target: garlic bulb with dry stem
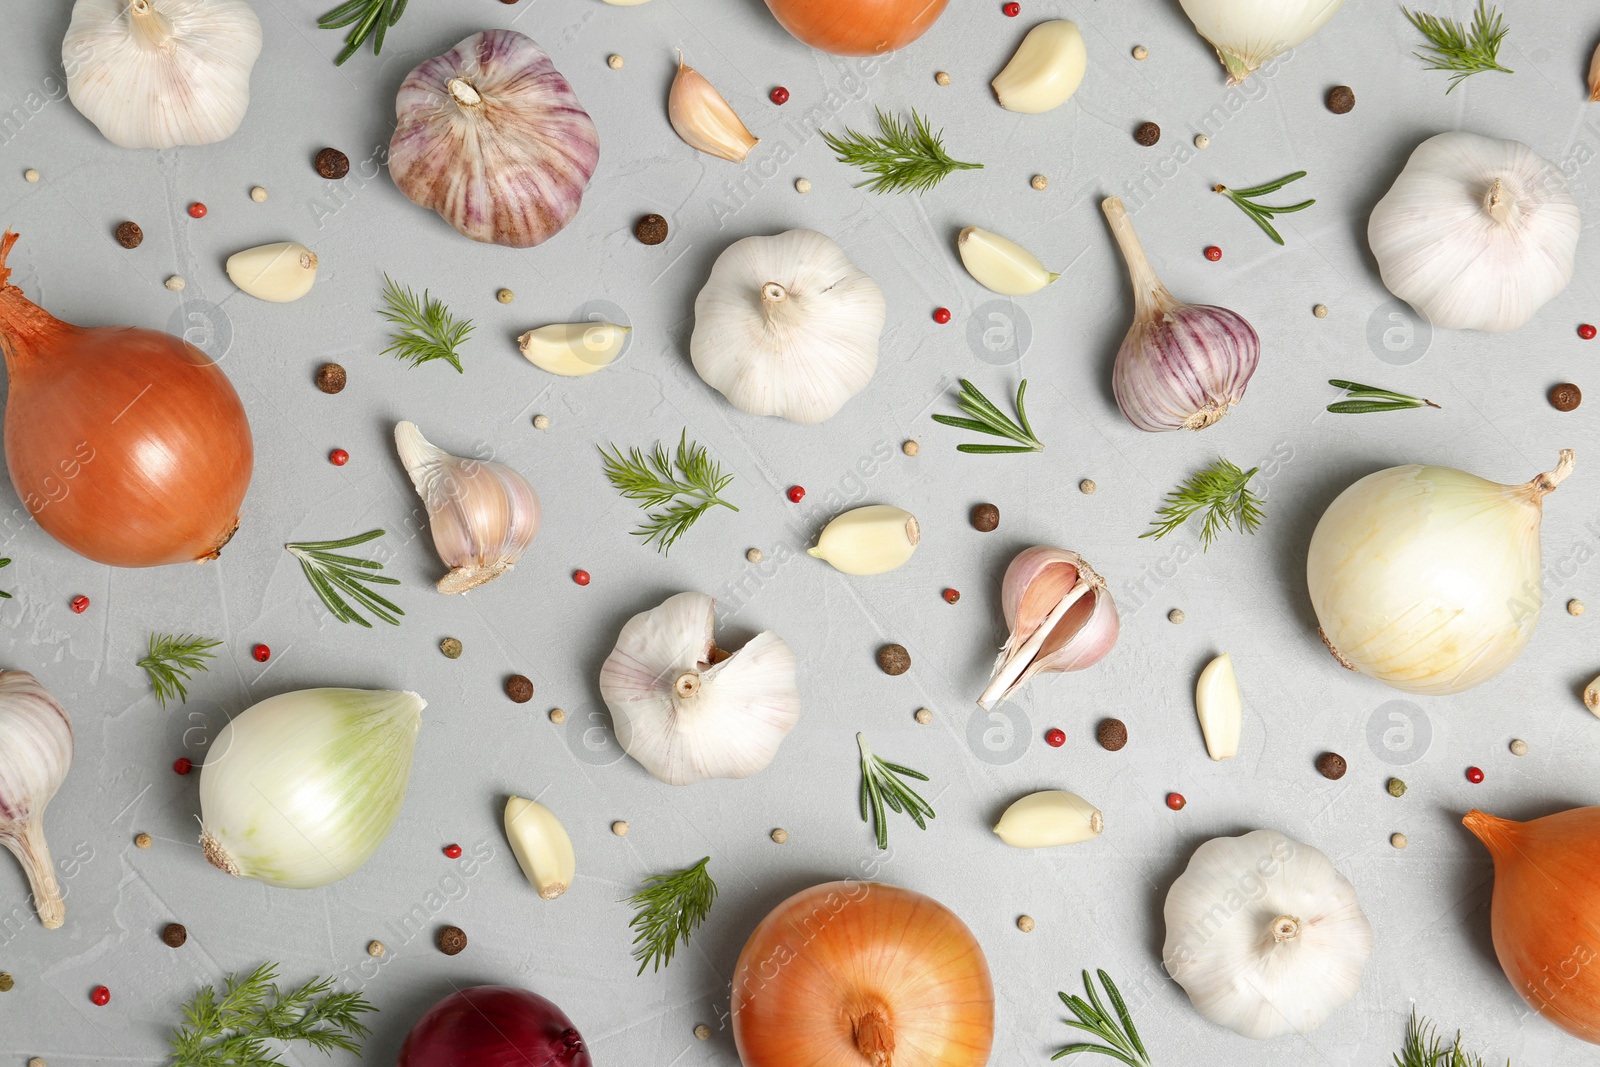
x,y
787,326
705,120
1476,233
483,514
1181,366
687,710
1061,615
161,73
1265,936
35,753
492,137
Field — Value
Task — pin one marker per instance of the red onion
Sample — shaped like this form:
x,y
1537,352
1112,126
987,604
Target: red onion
x,y
494,1026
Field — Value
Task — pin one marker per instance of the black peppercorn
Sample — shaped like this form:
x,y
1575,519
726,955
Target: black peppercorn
x,y
332,163
1341,99
1147,134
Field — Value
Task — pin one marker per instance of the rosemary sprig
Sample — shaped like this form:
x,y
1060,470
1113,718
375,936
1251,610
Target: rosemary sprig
x,y
1222,492
331,575
669,908
1260,213
689,483
232,1031
1455,47
902,158
5,563
370,18
1371,398
172,660
1424,1048
881,785
986,418
427,329
1120,1035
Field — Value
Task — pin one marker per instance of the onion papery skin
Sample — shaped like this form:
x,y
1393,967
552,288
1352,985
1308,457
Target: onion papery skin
x,y
1546,912
128,446
856,27
842,963
494,1026
1427,578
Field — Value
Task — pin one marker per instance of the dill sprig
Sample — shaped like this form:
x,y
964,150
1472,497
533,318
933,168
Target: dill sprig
x,y
427,329
1424,1048
881,785
1260,213
371,18
172,660
330,573
1459,48
669,908
232,1031
902,158
1222,492
1367,398
986,418
689,483
1120,1035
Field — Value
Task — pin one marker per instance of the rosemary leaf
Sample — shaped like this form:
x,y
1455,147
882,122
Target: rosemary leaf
x,y
172,659
669,908
902,158
370,18
689,483
5,563
1121,1037
1366,398
1221,493
985,417
427,329
1455,47
232,1030
881,785
1261,213
334,577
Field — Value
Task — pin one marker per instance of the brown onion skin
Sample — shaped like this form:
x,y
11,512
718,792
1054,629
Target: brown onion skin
x,y
856,27
1546,912
128,446
829,955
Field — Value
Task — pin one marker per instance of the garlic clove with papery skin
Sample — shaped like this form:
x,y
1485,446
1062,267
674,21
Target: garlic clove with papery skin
x,y
278,273
869,540
1001,265
705,120
483,514
541,845
1049,818
1061,615
1045,71
574,349
688,712
161,73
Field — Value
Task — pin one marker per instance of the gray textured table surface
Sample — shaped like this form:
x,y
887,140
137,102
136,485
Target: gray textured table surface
x,y
1097,904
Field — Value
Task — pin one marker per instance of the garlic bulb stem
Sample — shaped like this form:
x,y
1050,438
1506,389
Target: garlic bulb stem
x,y
687,685
1019,664
1285,928
1499,206
463,92
151,29
1150,297
773,293
29,847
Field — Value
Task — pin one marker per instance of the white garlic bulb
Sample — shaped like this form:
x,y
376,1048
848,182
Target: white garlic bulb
x,y
787,326
483,514
1265,936
688,711
161,73
1476,233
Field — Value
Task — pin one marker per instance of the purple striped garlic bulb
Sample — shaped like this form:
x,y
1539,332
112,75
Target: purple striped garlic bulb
x,y
1181,366
492,137
1061,615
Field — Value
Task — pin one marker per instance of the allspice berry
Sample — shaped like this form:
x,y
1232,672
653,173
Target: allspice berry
x,y
332,163
1565,397
1112,734
519,688
1147,134
1331,766
129,235
985,517
651,230
173,935
331,378
451,940
1341,99
894,659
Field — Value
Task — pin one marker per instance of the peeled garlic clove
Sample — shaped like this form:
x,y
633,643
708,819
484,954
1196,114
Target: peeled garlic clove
x,y
869,540
1591,696
704,119
574,349
685,710
1216,701
483,514
541,845
279,272
1061,615
1053,817
1001,265
1046,70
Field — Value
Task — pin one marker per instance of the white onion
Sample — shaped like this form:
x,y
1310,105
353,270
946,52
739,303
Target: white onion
x,y
1248,33
1427,578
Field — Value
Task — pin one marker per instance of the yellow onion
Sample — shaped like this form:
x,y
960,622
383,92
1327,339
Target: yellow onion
x,y
861,974
1427,578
